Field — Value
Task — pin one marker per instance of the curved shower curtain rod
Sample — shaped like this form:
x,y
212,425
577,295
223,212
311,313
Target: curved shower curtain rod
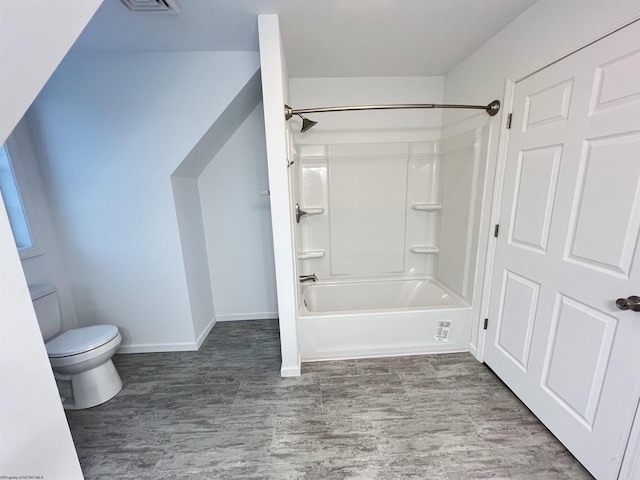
x,y
491,109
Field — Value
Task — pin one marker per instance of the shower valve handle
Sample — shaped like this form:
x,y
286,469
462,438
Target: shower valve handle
x,y
299,213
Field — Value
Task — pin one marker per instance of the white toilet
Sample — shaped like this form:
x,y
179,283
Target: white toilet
x,y
80,357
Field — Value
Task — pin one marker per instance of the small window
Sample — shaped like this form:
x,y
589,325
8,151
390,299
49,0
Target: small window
x,y
13,203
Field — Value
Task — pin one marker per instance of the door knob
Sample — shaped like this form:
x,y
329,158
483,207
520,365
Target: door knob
x,y
630,303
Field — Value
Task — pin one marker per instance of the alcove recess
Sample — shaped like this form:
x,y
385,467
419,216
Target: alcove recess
x,y
373,209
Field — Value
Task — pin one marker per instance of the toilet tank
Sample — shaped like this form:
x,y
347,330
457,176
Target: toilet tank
x,y
45,303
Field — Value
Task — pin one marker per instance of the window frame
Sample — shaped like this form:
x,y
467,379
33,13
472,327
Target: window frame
x,y
24,192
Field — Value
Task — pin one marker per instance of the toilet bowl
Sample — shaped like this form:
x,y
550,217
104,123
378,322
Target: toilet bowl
x,y
80,357
82,365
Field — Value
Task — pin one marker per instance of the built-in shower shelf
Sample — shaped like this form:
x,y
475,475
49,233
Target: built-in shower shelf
x,y
313,211
423,249
308,255
426,207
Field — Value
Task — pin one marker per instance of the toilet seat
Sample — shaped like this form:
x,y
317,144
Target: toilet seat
x,y
81,340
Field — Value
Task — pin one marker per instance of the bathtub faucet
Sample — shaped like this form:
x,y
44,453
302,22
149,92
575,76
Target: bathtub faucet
x,y
308,278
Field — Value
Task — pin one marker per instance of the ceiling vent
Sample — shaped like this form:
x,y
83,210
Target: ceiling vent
x,y
166,6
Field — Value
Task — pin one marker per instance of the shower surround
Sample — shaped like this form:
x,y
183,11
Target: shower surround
x,y
389,209
372,235
373,210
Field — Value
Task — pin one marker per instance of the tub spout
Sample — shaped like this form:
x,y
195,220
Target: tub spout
x,y
308,278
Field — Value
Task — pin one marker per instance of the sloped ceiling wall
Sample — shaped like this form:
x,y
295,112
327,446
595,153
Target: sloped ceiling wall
x,y
33,39
111,130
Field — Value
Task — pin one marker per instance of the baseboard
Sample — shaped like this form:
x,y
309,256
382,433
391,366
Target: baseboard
x,y
473,350
158,347
292,371
232,317
193,346
205,332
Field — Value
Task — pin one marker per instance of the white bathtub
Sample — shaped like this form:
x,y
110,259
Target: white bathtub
x,y
381,318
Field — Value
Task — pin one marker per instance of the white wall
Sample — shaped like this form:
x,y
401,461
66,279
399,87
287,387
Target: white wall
x,y
43,265
35,437
542,34
367,126
275,87
194,255
545,32
186,194
34,37
237,223
111,129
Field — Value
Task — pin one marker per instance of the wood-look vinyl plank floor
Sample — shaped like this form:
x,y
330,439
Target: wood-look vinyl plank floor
x,y
224,412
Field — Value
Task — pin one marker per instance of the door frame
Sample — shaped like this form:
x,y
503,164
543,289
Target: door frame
x,y
492,202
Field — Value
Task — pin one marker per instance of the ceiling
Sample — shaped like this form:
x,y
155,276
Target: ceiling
x,y
322,38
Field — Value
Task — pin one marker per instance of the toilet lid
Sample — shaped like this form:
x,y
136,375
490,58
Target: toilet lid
x,y
79,340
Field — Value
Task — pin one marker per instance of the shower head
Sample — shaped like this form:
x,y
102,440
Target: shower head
x,y
306,123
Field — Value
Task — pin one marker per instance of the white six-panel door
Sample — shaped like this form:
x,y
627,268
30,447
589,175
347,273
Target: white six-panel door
x,y
569,247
